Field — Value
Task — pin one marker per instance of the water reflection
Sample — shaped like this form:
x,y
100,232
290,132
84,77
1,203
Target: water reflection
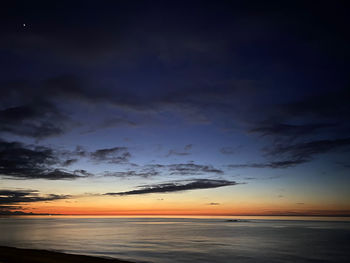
x,y
183,239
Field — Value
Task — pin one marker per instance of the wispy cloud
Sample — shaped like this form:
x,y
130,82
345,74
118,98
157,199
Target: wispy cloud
x,y
111,155
129,174
303,151
177,186
184,152
274,165
271,128
192,169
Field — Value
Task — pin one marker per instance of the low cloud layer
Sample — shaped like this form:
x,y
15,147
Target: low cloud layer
x,y
177,187
10,197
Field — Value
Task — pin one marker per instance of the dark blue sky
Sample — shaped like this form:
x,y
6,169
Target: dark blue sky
x,y
196,94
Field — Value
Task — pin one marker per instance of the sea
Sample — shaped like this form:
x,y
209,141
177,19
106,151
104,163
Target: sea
x,y
180,239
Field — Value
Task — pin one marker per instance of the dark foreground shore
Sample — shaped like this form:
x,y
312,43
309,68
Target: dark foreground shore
x,y
17,255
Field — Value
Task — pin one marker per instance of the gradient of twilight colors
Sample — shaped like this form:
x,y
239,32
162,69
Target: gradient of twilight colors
x,y
174,108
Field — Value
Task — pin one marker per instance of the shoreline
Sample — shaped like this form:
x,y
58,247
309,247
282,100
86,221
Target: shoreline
x,y
15,255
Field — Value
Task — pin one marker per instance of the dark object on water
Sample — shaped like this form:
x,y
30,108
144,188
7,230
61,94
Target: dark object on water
x,y
236,220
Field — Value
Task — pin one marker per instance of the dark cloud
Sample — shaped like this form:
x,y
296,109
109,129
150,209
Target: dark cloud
x,y
79,151
277,164
128,174
117,122
69,162
304,151
184,152
13,210
263,178
22,161
282,129
110,123
192,169
331,105
344,164
307,126
325,113
152,170
176,153
10,197
214,204
183,169
111,155
37,120
177,187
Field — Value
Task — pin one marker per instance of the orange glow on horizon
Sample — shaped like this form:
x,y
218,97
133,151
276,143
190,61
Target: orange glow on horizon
x,y
211,211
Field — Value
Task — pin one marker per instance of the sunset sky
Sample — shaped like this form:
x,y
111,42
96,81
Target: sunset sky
x,y
174,108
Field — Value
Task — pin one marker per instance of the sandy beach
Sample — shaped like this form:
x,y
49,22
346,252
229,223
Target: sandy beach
x,y
16,255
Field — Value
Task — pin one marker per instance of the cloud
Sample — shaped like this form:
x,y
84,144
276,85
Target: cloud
x,y
294,126
214,204
110,123
185,151
328,105
111,155
79,151
69,162
323,113
282,129
13,210
10,197
37,120
177,187
184,169
304,151
20,161
176,153
344,164
151,170
192,169
127,174
274,165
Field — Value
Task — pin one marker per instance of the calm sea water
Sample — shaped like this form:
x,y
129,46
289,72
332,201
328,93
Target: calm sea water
x,y
195,240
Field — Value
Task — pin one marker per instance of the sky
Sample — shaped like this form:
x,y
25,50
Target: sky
x,y
174,108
